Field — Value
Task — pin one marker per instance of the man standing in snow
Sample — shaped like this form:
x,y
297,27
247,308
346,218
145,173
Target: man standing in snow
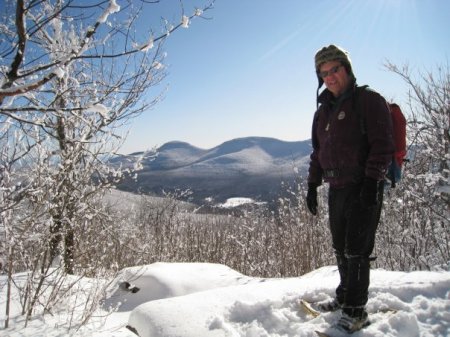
x,y
352,148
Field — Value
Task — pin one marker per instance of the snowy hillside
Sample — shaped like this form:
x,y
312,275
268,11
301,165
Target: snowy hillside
x,y
253,166
202,300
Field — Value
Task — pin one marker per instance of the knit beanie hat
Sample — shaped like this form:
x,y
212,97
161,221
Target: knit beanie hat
x,y
332,53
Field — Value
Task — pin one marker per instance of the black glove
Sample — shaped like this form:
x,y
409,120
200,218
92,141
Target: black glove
x,y
369,192
311,198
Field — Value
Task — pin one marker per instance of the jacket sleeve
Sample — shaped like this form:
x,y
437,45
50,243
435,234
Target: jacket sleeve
x,y
379,136
315,170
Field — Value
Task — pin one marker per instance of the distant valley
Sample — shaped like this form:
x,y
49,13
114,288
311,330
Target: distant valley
x,y
251,167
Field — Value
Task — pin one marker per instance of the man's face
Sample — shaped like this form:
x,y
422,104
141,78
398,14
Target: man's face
x,y
335,77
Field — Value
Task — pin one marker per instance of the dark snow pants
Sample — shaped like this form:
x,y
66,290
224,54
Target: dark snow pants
x,y
353,229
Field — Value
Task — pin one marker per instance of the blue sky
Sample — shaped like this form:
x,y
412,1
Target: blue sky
x,y
249,71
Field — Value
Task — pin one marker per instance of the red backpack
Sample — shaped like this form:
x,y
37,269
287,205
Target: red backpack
x,y
394,173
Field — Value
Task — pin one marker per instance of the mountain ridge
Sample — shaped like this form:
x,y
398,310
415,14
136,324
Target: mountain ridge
x,y
243,167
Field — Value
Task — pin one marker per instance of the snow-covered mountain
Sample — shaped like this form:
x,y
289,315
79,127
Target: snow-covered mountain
x,y
245,167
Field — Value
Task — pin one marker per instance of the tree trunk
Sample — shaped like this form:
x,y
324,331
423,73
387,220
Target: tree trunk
x,y
68,250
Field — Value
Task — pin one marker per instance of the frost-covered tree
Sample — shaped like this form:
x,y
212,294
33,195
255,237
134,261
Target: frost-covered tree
x,y
72,74
417,231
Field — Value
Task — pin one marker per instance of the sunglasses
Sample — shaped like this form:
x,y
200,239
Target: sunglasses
x,y
332,71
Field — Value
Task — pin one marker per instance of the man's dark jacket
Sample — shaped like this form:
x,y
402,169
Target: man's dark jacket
x,y
352,137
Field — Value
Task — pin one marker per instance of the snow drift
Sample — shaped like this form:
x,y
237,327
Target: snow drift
x,y
201,299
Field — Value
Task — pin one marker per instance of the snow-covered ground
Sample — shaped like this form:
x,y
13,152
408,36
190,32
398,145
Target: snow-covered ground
x,y
235,202
196,299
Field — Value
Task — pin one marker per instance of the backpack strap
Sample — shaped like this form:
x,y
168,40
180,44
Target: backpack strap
x,y
357,106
